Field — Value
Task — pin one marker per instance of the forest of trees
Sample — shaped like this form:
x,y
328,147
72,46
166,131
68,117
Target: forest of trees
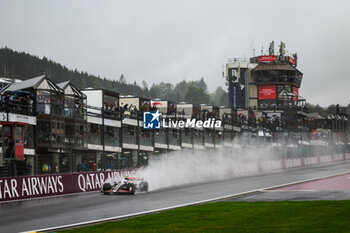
x,y
331,109
20,65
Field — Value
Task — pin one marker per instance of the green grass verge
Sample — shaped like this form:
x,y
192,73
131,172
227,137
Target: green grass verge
x,y
286,216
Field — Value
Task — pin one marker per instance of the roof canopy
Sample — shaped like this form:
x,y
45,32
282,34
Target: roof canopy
x,y
40,82
70,89
275,66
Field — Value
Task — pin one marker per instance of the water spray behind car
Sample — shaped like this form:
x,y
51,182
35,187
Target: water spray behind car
x,y
188,166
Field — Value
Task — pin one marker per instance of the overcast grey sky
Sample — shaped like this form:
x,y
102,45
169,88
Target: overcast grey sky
x,y
172,40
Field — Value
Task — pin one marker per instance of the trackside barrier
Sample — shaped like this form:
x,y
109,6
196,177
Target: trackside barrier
x,y
308,161
283,163
26,187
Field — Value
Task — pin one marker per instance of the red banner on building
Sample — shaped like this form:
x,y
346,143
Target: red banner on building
x,y
19,151
291,60
267,58
296,93
267,92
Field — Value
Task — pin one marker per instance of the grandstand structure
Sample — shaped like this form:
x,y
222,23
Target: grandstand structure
x,y
58,128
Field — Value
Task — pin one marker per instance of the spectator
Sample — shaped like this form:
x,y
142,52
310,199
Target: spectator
x,y
94,168
29,169
1,102
12,102
30,104
23,102
6,102
47,106
125,107
56,168
83,166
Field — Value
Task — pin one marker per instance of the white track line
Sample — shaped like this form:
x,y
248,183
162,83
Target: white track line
x,y
281,191
182,205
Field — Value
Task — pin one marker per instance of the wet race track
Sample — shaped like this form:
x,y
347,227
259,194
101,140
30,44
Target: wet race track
x,y
51,212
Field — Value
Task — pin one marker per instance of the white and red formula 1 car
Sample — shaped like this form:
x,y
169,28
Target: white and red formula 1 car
x,y
129,185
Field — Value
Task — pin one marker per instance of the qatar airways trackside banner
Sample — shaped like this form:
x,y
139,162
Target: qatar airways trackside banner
x,y
24,187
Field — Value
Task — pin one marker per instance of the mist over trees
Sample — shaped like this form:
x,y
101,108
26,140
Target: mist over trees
x,y
20,65
331,109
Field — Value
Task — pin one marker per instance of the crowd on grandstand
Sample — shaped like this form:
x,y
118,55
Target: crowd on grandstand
x,y
10,102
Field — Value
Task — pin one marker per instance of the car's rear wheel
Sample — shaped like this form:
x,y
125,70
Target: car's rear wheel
x,y
106,187
132,189
144,186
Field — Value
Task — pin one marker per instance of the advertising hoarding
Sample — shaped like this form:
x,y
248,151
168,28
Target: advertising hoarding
x,y
161,105
25,187
296,93
19,155
267,92
267,58
291,60
236,90
270,58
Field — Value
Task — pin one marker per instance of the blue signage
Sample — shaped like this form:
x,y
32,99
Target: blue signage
x,y
151,120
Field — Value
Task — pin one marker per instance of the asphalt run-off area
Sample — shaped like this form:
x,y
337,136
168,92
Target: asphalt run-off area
x,y
330,188
340,183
